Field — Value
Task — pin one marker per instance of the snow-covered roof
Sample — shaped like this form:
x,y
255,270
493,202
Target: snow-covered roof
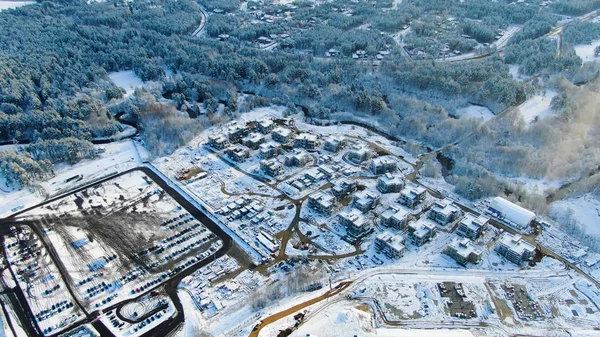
x,y
516,243
512,212
473,222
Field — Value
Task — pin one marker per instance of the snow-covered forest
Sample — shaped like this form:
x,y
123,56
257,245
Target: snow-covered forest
x,y
56,94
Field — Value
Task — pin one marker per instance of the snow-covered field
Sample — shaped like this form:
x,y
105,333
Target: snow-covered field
x,y
586,51
475,111
117,157
13,4
585,210
537,106
126,79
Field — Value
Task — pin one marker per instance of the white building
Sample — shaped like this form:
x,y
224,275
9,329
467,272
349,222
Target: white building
x,y
514,248
321,202
412,195
381,165
471,226
389,244
463,251
395,216
390,183
364,200
511,213
444,212
355,222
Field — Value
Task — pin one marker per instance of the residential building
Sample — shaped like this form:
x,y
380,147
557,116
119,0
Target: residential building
x,y
463,251
471,226
218,142
412,195
511,213
271,167
444,212
355,222
264,126
321,202
359,154
235,132
326,170
381,165
395,216
333,144
421,232
297,158
268,150
390,245
514,248
253,140
364,200
390,183
314,175
238,153
343,187
307,141
282,135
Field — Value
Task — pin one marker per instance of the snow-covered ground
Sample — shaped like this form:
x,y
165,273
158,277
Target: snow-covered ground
x,y
585,210
13,4
586,51
537,106
117,157
126,79
475,111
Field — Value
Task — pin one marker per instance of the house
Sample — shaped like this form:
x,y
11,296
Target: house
x,y
395,216
463,251
383,165
281,135
271,167
412,195
217,142
444,212
333,144
321,202
364,200
390,245
390,183
268,150
297,158
359,154
327,171
343,187
514,248
471,226
355,222
314,175
307,141
510,213
254,140
264,126
421,232
238,153
235,132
